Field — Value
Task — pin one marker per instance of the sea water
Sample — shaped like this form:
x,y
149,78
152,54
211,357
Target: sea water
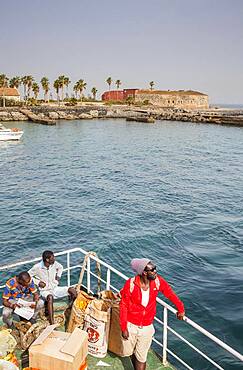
x,y
170,191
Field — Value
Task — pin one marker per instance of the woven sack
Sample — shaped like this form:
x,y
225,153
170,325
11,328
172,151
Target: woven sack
x,y
78,311
76,318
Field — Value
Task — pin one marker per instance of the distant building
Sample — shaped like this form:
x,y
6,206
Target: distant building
x,y
187,99
10,93
121,95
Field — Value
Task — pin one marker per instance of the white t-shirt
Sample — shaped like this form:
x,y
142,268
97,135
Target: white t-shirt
x,y
39,272
145,297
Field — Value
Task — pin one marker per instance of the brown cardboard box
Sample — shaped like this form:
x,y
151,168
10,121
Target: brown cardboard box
x,y
59,350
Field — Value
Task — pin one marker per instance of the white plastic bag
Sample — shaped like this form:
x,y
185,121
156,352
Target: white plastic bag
x,y
6,365
7,342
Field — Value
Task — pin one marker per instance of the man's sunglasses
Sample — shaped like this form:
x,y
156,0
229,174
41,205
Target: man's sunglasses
x,y
151,270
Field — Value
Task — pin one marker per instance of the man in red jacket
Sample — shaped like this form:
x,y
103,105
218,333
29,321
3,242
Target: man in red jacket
x,y
138,309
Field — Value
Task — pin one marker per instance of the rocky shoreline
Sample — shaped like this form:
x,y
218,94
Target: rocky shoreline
x,y
49,115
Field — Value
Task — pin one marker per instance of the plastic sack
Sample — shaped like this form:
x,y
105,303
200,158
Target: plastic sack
x,y
7,342
6,365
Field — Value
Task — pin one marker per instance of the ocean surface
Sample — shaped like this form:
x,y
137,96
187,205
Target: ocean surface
x,y
171,191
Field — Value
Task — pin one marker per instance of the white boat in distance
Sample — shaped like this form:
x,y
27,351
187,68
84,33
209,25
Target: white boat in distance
x,y
10,133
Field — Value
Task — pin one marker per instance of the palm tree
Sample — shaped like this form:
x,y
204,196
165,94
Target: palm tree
x,y
75,89
3,80
151,84
3,83
66,83
118,84
30,80
56,86
35,89
80,85
109,82
45,86
15,82
24,81
61,80
94,92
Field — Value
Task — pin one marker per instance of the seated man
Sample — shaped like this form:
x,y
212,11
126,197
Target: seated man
x,y
46,275
20,286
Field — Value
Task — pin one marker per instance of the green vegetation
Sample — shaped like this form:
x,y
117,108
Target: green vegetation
x,y
32,102
71,102
130,100
10,103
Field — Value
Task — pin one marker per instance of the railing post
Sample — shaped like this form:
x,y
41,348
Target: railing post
x,y
68,267
165,336
108,279
88,275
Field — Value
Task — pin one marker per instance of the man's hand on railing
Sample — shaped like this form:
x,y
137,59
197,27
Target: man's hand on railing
x,y
180,315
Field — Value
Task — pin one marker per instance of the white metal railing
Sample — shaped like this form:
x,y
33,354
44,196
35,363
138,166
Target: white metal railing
x,y
166,307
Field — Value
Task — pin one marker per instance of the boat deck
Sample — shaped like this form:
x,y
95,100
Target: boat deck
x,y
111,360
117,363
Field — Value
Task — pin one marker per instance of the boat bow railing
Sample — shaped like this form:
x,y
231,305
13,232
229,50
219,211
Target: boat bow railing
x,y
109,283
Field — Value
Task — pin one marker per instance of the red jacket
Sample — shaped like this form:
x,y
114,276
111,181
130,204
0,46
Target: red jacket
x,y
131,308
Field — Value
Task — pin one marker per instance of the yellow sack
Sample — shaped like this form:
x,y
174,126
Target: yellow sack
x,y
77,313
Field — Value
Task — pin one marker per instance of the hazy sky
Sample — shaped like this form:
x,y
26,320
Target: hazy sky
x,y
179,44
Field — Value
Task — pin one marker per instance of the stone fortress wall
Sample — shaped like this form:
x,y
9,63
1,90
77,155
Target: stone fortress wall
x,y
173,99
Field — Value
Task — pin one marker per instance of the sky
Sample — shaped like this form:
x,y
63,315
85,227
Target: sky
x,y
178,44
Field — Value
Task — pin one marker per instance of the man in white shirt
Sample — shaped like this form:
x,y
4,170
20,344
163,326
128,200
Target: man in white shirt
x,y
46,275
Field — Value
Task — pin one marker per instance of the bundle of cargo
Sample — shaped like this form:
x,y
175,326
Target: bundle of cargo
x,y
92,314
97,324
59,350
76,317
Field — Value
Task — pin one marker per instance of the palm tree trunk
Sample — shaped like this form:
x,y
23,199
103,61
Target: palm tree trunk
x,y
24,92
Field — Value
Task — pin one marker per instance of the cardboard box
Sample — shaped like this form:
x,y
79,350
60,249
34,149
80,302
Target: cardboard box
x,y
59,350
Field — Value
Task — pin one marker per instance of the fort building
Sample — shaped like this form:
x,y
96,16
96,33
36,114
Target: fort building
x,y
187,99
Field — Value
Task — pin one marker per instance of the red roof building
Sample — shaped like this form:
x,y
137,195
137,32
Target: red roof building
x,y
9,93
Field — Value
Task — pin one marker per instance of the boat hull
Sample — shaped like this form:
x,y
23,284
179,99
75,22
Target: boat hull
x,y
10,135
